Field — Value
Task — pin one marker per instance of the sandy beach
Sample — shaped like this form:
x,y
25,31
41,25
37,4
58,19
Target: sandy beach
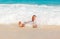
x,y
42,32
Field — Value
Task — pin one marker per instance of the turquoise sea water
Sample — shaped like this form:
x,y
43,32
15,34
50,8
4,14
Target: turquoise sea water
x,y
39,2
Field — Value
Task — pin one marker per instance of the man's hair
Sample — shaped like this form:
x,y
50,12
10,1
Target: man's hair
x,y
34,15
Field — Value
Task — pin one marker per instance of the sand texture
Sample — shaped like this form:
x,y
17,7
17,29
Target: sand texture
x,y
42,32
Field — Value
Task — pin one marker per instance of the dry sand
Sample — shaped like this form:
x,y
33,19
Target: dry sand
x,y
42,32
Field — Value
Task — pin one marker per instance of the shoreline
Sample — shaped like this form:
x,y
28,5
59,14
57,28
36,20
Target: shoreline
x,y
40,27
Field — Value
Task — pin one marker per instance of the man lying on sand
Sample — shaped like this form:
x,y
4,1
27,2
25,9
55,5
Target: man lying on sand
x,y
33,22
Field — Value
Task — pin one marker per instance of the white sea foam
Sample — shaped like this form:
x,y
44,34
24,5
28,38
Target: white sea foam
x,y
46,15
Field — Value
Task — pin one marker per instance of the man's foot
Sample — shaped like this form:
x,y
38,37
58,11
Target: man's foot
x,y
21,24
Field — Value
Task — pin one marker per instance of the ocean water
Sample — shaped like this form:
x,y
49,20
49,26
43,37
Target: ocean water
x,y
39,2
46,14
13,11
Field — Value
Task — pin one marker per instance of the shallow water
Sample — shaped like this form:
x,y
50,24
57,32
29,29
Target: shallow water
x,y
13,13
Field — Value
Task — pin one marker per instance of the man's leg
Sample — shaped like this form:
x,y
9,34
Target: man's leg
x,y
34,25
27,22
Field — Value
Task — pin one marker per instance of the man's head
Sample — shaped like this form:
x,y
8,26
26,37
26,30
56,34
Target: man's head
x,y
19,22
34,15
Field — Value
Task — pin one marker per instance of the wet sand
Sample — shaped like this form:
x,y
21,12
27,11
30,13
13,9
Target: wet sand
x,y
42,32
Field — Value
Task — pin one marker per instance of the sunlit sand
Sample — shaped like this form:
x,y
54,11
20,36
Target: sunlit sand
x,y
13,31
